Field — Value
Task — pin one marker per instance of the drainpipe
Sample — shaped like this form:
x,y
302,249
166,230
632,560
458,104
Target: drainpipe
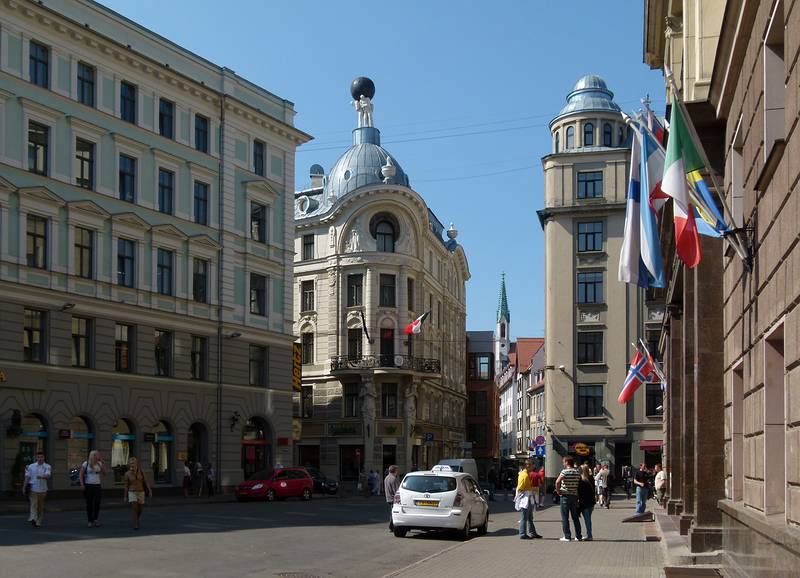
x,y
221,240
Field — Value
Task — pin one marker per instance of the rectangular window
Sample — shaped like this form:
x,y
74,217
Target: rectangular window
x,y
81,342
127,102
653,400
86,84
307,345
166,190
83,252
307,296
387,291
127,178
258,365
201,133
355,290
84,164
200,203
387,347
354,341
258,294
590,184
126,258
200,281
308,247
38,145
389,400
164,272
307,401
33,336
410,290
774,98
590,401
39,63
258,222
258,157
122,348
590,287
590,346
477,404
199,357
476,433
590,236
36,237
166,118
350,399
163,352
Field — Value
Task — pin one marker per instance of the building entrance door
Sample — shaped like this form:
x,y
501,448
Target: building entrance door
x,y
389,458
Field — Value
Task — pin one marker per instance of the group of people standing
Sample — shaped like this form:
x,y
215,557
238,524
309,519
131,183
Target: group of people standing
x,y
198,478
38,474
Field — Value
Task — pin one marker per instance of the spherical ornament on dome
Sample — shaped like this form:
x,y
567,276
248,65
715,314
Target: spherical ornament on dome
x,y
362,86
452,232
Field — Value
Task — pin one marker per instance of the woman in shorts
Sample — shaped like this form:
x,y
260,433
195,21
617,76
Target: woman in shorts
x,y
135,489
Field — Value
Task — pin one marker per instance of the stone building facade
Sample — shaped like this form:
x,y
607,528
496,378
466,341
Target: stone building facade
x,y
145,238
590,317
733,413
483,403
370,258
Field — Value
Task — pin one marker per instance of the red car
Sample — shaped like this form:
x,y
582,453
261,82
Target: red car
x,y
277,483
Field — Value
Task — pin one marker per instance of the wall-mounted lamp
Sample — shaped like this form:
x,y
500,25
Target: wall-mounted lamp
x,y
235,417
67,306
562,368
233,335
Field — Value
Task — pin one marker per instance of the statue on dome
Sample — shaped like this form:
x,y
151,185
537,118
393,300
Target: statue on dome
x,y
364,107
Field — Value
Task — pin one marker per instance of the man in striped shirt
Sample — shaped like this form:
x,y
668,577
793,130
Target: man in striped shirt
x,y
567,488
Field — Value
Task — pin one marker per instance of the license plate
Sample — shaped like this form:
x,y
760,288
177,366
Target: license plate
x,y
427,503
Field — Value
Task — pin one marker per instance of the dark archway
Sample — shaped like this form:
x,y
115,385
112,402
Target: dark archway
x,y
256,446
123,447
197,444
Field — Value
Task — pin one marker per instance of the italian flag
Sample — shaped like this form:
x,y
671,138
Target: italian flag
x,y
682,158
416,325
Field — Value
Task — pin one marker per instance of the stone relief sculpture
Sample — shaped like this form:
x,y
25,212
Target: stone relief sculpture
x,y
332,237
364,107
353,243
411,401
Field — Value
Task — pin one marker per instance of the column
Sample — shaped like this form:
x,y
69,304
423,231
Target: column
x,y
674,412
370,307
410,420
402,312
368,398
688,401
709,385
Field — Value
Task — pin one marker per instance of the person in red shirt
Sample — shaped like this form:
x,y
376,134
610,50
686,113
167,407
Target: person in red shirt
x,y
537,481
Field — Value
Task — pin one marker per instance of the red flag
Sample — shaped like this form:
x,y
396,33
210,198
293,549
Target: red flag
x,y
639,372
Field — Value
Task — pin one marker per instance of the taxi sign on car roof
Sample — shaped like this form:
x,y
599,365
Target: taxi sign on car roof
x,y
441,469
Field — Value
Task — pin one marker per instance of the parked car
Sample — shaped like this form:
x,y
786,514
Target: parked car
x,y
466,465
440,499
278,483
322,483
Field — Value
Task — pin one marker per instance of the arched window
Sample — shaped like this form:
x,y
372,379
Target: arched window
x,y
33,438
570,137
502,331
607,134
123,447
161,452
79,444
384,235
558,142
588,134
620,136
197,444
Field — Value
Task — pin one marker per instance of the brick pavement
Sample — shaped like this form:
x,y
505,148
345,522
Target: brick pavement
x,y
617,550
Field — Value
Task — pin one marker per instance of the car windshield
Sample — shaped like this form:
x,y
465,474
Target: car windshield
x,y
429,484
262,475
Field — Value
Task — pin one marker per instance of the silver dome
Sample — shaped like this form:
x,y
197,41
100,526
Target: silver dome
x,y
590,94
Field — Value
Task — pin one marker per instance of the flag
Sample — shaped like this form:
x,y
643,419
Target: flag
x,y
639,372
712,223
640,259
681,159
653,124
416,325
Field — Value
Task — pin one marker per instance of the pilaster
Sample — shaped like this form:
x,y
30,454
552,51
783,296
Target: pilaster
x,y
674,414
688,400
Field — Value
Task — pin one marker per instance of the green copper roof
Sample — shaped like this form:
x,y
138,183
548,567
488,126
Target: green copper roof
x,y
502,304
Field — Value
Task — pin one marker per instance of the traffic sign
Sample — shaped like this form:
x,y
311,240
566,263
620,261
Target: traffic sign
x,y
539,441
540,451
428,436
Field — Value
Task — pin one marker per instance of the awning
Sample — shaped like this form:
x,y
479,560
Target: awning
x,y
650,445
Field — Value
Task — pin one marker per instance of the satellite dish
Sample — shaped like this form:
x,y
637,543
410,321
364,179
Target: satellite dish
x,y
398,361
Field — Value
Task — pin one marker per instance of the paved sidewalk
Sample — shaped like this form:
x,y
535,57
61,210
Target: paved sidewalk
x,y
617,550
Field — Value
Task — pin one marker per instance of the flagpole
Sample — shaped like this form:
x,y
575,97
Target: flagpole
x,y
739,246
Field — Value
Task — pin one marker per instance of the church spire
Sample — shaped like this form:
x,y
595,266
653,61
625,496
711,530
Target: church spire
x,y
502,304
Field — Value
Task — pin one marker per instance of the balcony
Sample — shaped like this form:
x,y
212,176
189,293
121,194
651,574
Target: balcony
x,y
401,362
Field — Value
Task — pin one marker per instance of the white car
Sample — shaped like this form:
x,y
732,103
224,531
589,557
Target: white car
x,y
440,499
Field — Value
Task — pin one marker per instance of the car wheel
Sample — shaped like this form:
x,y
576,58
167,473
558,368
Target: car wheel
x,y
483,528
400,532
270,495
306,494
464,535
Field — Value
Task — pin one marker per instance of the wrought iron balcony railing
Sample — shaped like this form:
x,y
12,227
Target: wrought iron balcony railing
x,y
405,362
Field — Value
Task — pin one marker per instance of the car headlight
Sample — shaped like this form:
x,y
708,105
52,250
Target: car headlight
x,y
257,487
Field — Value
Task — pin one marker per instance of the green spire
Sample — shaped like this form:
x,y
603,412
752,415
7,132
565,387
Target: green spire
x,y
502,304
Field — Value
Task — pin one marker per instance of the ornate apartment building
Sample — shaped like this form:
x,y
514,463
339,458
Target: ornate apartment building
x,y
590,317
145,251
370,258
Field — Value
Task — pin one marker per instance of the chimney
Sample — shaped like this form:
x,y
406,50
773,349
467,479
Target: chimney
x,y
317,175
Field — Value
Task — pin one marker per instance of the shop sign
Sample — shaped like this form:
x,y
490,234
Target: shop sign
x,y
149,437
581,449
64,434
344,429
455,436
124,437
284,441
297,367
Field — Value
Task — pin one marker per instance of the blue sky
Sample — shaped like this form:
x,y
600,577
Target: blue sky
x,y
463,99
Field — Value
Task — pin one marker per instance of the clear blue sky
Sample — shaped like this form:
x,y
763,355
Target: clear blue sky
x,y
492,73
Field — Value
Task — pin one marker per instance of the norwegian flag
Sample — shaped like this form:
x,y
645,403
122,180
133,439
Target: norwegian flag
x,y
639,372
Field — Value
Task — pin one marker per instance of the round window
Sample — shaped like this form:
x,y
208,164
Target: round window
x,y
347,175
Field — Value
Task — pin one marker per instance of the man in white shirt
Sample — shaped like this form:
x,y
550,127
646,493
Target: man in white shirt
x,y
661,484
36,476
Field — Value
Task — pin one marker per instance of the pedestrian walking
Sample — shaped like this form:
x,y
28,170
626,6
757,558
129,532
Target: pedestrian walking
x,y
210,479
586,498
390,486
661,485
136,487
187,479
523,502
537,481
601,485
642,482
567,488
491,479
373,481
35,485
90,475
627,480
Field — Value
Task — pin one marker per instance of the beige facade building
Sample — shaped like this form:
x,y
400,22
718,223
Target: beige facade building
x,y
591,318
145,252
370,258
